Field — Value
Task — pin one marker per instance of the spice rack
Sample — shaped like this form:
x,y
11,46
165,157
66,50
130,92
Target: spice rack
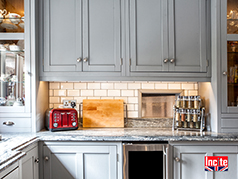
x,y
188,114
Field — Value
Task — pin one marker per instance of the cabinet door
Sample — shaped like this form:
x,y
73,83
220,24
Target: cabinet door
x,y
187,35
102,35
29,165
191,161
80,162
148,35
62,35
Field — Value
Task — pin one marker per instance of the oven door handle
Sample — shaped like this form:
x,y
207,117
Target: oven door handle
x,y
166,154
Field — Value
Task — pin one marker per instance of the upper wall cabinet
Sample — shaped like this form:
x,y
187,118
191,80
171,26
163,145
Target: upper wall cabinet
x,y
15,66
125,40
82,35
168,36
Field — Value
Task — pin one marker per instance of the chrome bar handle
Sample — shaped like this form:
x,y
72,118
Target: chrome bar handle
x,y
8,123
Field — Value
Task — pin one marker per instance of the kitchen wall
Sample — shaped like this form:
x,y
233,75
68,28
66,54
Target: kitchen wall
x,y
128,91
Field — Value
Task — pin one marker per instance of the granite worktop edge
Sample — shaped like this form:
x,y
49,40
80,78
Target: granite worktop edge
x,y
107,135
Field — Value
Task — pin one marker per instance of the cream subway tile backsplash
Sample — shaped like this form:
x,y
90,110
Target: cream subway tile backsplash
x,y
100,92
54,86
80,85
107,86
67,85
73,93
59,92
128,91
114,93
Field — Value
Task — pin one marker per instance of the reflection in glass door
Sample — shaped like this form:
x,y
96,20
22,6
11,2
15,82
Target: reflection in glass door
x,y
232,17
232,69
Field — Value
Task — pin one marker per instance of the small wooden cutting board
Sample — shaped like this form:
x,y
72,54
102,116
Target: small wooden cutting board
x,y
103,113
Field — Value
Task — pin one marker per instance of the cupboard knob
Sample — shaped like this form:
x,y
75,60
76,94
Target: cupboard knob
x,y
177,159
85,60
37,160
46,158
224,73
79,60
166,60
172,60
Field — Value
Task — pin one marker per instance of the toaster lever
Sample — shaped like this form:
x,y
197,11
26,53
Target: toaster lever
x,y
68,112
62,113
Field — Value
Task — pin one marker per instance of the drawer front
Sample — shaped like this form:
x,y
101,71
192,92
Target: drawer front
x,y
15,124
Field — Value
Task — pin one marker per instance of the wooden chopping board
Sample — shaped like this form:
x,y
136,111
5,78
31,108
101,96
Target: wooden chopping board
x,y
103,113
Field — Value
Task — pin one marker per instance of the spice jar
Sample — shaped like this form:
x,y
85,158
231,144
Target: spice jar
x,y
196,102
177,115
178,102
185,124
197,125
191,124
195,115
190,102
183,114
189,115
185,102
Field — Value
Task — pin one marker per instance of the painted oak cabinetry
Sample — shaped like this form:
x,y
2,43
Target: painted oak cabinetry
x,y
169,36
229,66
189,159
29,164
81,160
15,67
127,40
82,36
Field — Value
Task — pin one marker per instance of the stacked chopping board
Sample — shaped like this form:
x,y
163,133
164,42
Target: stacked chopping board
x,y
103,113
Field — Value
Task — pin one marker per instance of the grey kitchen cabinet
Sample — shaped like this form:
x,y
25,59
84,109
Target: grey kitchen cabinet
x,y
127,40
84,160
169,36
17,69
29,164
189,160
229,68
82,35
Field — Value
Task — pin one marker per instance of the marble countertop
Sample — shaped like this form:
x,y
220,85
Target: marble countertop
x,y
11,145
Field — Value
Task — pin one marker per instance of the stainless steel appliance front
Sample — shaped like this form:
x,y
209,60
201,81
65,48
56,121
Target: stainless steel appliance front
x,y
145,160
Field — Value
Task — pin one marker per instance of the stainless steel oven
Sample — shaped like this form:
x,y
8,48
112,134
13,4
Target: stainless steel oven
x,y
146,160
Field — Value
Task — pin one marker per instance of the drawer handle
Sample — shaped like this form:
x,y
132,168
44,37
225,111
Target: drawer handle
x,y
8,123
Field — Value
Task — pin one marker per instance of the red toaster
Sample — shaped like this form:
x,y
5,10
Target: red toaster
x,y
61,119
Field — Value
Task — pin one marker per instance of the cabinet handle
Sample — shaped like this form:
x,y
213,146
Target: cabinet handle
x,y
79,60
224,73
166,60
37,160
85,60
46,158
172,60
8,123
177,159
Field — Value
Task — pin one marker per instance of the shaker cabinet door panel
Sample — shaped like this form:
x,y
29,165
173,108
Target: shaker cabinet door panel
x,y
80,162
191,163
187,35
62,35
102,35
148,35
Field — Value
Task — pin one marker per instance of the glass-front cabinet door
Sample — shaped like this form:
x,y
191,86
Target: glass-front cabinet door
x,y
14,56
229,53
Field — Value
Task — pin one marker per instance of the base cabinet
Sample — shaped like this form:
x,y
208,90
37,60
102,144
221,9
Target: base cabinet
x,y
189,160
29,164
82,160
